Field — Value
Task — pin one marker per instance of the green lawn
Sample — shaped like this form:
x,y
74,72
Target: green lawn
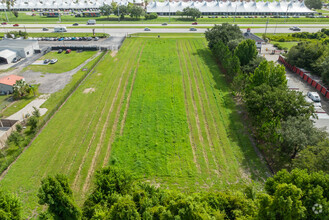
x,y
5,100
17,105
66,62
161,109
23,18
287,45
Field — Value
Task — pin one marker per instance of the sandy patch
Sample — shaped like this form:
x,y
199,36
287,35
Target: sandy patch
x,y
99,74
114,53
89,90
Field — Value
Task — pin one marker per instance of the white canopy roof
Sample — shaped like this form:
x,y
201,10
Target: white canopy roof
x,y
65,4
228,6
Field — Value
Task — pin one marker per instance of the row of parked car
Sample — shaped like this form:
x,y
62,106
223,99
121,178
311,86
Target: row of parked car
x,y
66,38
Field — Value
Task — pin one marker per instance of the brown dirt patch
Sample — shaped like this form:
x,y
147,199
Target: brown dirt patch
x,y
89,90
114,53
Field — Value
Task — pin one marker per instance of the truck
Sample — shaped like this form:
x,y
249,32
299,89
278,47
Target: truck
x,y
60,29
91,22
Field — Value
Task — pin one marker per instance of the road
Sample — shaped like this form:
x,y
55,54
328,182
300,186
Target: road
x,y
124,31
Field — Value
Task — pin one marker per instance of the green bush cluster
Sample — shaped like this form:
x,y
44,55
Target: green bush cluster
x,y
118,195
151,16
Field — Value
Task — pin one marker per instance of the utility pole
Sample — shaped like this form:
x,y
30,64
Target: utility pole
x,y
169,10
118,13
275,28
236,6
286,14
266,26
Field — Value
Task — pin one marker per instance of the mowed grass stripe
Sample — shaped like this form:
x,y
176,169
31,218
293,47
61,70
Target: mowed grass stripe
x,y
98,80
215,135
195,111
154,141
116,82
191,138
248,163
203,114
115,108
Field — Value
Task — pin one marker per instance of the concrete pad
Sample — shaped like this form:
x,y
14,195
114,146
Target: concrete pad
x,y
28,109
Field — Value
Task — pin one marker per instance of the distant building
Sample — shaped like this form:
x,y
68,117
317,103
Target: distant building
x,y
9,49
259,41
7,83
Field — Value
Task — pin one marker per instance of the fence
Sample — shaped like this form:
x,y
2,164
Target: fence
x,y
306,76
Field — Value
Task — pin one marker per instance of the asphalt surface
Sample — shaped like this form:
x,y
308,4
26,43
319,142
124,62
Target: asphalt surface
x,y
185,28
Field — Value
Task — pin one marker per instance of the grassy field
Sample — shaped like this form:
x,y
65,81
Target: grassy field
x,y
170,120
66,62
23,18
287,45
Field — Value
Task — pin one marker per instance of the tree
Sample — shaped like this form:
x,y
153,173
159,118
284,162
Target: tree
x,y
296,133
253,64
123,10
268,106
268,73
314,158
21,89
36,112
232,44
192,12
57,194
325,70
246,51
316,4
106,10
225,33
308,55
285,204
125,208
111,183
15,13
32,122
314,187
10,207
136,11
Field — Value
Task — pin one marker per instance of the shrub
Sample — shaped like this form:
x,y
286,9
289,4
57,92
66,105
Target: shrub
x,y
151,16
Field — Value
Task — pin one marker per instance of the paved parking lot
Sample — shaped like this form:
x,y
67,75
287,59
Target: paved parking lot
x,y
295,82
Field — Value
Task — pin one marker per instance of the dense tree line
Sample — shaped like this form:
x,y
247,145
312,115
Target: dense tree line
x,y
118,195
280,117
192,13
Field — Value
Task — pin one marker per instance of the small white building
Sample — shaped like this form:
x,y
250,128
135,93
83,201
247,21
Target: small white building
x,y
7,83
22,48
259,41
7,56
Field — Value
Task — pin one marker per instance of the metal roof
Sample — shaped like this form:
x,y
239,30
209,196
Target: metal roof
x,y
231,7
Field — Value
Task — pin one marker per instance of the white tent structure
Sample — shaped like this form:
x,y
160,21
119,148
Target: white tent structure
x,y
232,8
28,5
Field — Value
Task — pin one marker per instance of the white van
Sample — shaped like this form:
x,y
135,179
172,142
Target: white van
x,y
60,29
91,22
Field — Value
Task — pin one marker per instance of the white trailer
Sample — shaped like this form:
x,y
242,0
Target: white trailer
x,y
91,22
60,29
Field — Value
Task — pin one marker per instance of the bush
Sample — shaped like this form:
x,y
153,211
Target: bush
x,y
151,16
19,128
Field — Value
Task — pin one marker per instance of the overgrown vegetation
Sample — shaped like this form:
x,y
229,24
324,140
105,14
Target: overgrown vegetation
x,y
274,110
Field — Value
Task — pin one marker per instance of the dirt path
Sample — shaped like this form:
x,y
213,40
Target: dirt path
x,y
188,114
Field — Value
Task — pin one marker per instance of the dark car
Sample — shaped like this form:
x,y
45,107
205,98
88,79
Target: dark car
x,y
75,24
16,59
45,29
60,51
46,61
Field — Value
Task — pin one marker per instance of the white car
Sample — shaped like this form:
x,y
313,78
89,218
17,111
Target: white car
x,y
53,61
315,104
314,96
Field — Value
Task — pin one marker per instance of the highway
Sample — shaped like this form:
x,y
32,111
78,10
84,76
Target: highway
x,y
138,29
